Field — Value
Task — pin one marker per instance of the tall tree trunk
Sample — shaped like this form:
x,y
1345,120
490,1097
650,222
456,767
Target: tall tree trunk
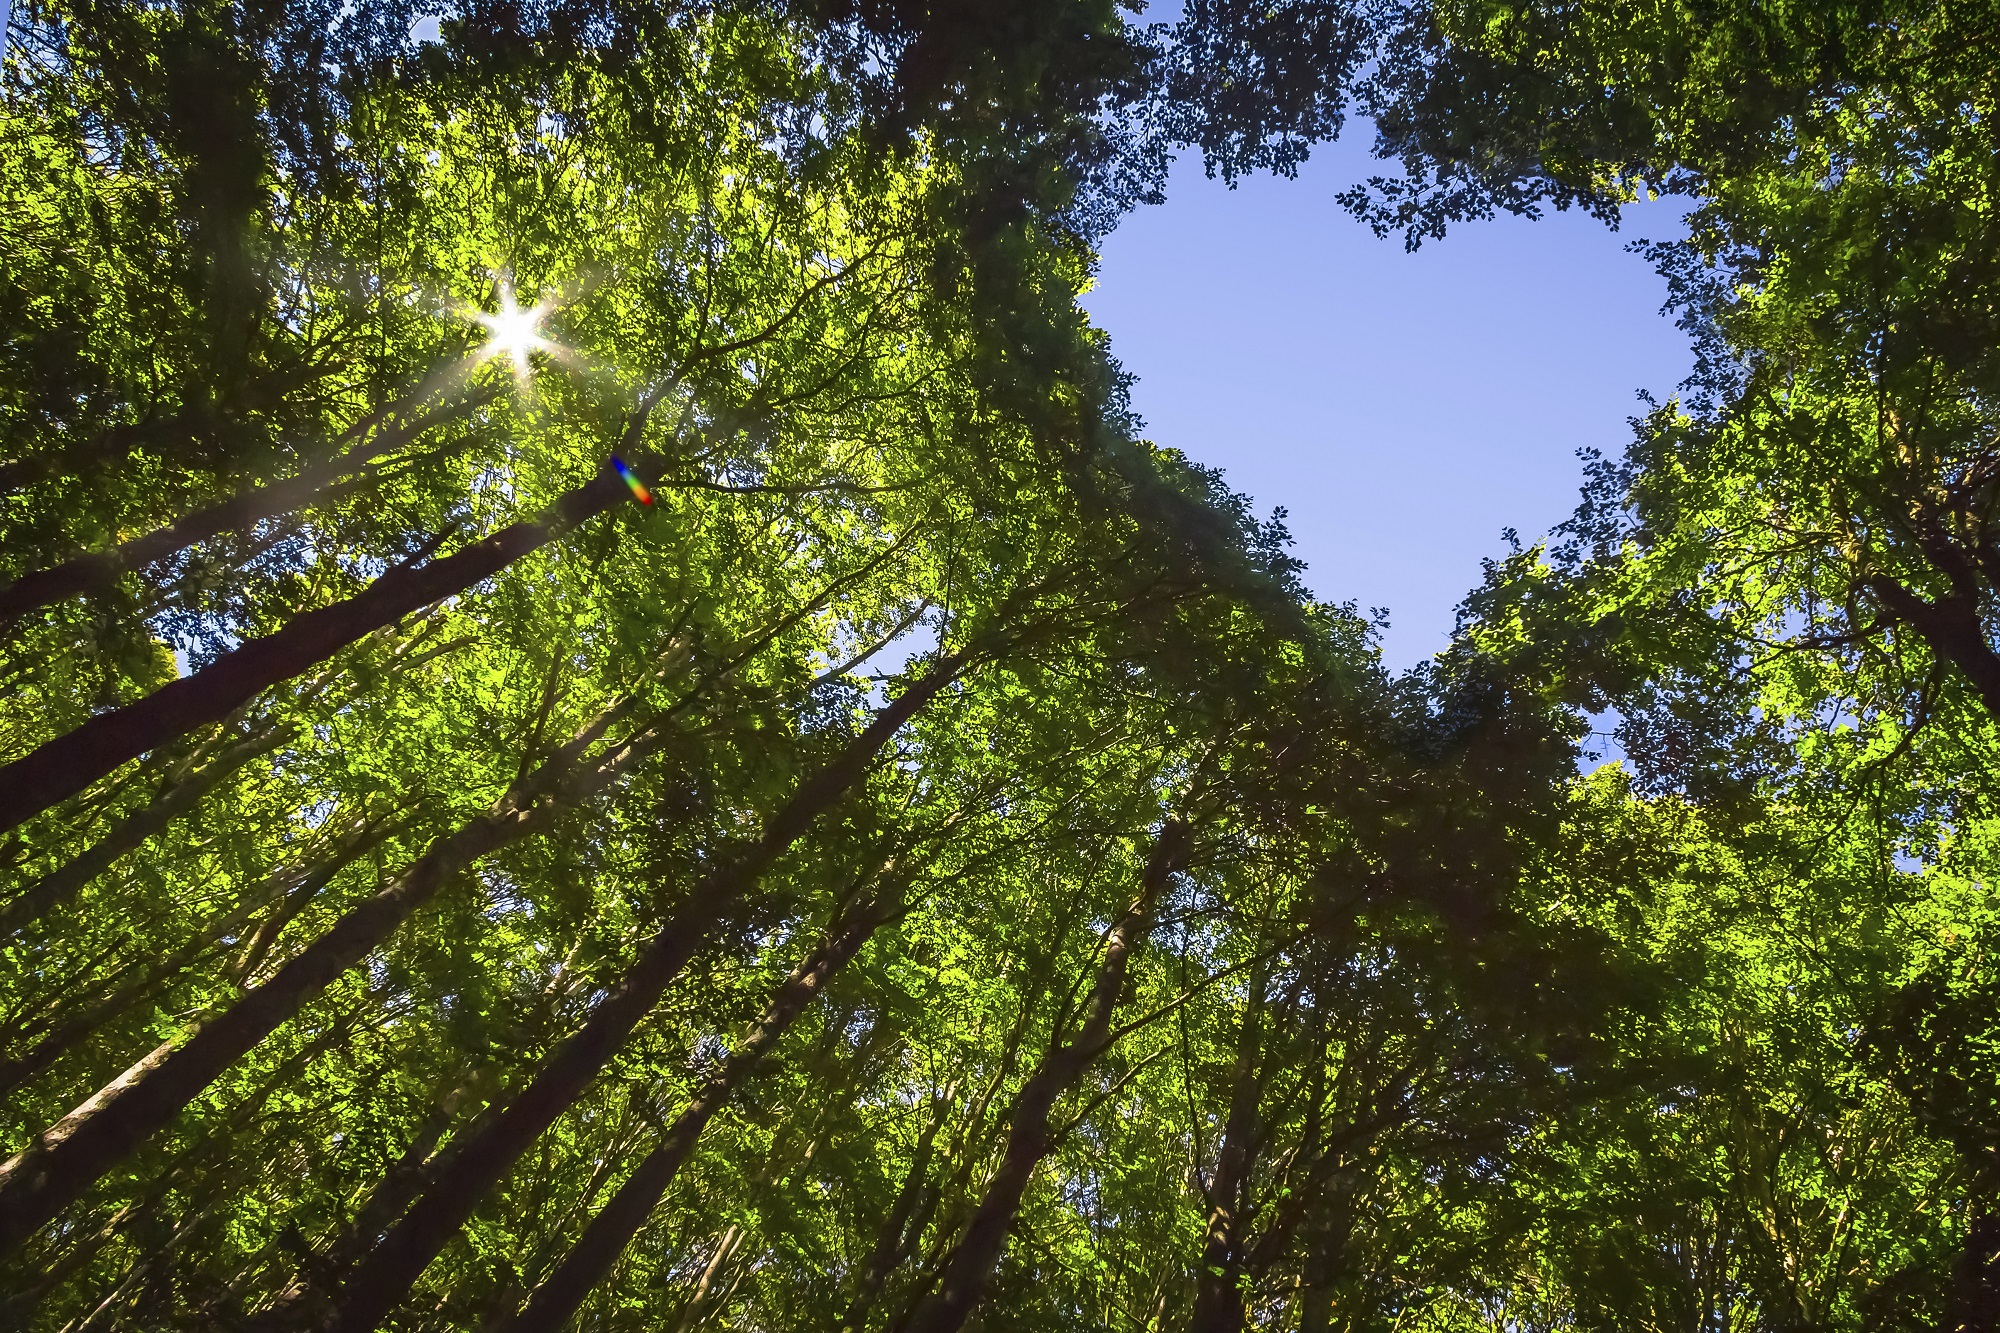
x,y
66,881
969,1144
1316,1304
18,1307
405,1180
1325,1245
1029,1140
82,1018
69,763
65,1159
1975,1290
1218,1301
891,1241
562,1293
321,1266
93,571
382,1280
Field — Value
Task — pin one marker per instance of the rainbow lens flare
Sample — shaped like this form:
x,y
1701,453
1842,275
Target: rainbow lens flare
x,y
639,491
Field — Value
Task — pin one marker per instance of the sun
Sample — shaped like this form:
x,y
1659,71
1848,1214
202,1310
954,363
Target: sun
x,y
516,332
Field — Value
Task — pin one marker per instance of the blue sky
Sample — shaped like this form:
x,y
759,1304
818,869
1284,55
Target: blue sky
x,y
1405,408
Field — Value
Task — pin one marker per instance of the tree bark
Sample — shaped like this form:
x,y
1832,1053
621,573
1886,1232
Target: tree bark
x,y
85,1017
18,1307
890,1241
386,1275
321,1266
93,571
66,765
1316,1307
1029,1140
1218,1302
1952,628
66,881
69,1156
1975,1290
562,1293
1325,1257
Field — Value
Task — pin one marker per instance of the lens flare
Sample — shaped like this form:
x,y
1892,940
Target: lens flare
x,y
639,491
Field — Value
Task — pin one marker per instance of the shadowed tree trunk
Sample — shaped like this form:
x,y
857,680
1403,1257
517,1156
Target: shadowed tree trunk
x,y
382,1280
84,1017
1316,1293
62,767
16,1309
321,1266
1029,1140
63,883
65,1159
59,1164
94,571
1318,1174
892,1240
562,1293
1218,1302
1953,629
1975,1289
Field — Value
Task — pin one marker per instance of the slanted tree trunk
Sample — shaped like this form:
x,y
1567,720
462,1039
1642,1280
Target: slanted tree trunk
x,y
321,1266
66,765
382,1280
1218,1301
93,571
891,1241
65,1159
967,1148
18,1307
726,1246
562,1293
402,1182
1029,1139
80,1017
66,881
292,893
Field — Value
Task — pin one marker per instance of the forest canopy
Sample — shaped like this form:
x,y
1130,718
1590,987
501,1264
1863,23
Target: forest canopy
x,y
608,722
